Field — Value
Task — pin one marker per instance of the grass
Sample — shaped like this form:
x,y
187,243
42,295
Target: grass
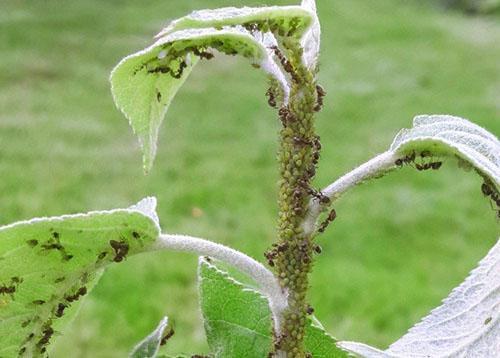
x,y
400,244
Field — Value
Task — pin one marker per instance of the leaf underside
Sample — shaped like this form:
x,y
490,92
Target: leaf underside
x,y
449,135
467,324
238,319
49,264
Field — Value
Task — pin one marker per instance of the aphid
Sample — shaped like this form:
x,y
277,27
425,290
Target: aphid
x,y
436,165
286,116
271,98
59,279
32,243
486,189
320,94
301,141
252,27
38,302
282,247
309,310
54,246
317,194
60,309
22,350
121,249
25,323
4,289
405,160
270,256
16,280
287,66
136,235
56,235
67,257
102,255
166,337
427,166
203,54
311,171
158,96
487,320
331,217
82,291
317,249
47,333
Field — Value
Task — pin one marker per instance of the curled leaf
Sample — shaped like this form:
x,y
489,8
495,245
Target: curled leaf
x,y
144,84
467,324
49,264
449,135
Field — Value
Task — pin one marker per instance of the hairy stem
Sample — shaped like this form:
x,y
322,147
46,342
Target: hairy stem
x,y
268,284
372,168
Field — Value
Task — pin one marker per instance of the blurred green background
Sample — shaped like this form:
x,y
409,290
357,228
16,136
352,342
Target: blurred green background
x,y
399,245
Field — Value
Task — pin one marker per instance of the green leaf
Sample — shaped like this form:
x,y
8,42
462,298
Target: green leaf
x,y
149,346
48,264
320,343
238,319
285,20
144,84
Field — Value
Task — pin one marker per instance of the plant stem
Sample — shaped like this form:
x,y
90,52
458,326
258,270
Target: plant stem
x,y
267,282
292,255
372,168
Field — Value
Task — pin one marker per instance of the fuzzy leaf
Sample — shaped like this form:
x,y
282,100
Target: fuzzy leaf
x,y
48,264
149,346
238,319
467,324
289,20
320,343
144,84
448,135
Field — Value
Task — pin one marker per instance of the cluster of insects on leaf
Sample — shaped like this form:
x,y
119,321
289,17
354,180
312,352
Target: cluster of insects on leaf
x,y
423,164
54,243
283,27
11,287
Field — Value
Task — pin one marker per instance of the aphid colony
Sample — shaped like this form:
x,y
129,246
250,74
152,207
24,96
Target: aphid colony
x,y
281,26
411,157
